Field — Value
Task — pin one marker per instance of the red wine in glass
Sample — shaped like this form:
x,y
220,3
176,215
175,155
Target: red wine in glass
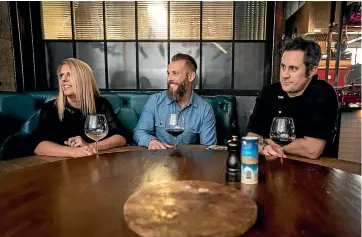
x,y
175,125
175,131
282,130
281,141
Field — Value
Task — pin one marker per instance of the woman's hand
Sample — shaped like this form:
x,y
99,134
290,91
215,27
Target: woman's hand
x,y
83,151
76,142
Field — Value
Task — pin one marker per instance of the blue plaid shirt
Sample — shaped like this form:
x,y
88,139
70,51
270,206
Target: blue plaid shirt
x,y
198,115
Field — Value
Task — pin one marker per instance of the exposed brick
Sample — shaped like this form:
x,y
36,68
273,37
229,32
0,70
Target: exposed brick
x,y
7,79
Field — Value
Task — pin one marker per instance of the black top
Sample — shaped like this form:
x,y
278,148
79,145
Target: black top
x,y
52,129
314,112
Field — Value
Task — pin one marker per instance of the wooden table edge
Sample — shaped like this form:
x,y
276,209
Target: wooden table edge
x,y
23,162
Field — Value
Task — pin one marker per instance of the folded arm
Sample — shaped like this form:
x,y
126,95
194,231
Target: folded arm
x,y
320,125
308,147
48,148
111,142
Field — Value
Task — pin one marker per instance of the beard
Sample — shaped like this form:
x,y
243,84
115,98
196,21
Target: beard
x,y
177,94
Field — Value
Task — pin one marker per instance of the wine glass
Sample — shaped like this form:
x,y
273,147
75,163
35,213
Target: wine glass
x,y
175,125
96,128
282,130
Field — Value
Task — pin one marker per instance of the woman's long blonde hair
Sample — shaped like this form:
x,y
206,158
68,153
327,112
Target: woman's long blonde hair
x,y
84,84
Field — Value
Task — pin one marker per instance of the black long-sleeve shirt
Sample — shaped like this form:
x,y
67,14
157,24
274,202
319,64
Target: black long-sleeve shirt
x,y
52,129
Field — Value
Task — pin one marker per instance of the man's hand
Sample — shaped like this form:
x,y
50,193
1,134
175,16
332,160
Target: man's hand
x,y
157,145
83,151
76,142
273,149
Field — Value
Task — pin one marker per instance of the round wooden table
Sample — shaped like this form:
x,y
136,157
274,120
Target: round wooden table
x,y
85,196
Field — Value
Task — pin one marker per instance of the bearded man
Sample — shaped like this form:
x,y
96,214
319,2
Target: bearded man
x,y
179,98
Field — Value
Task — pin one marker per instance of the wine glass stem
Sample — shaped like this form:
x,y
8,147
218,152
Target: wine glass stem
x,y
97,148
174,141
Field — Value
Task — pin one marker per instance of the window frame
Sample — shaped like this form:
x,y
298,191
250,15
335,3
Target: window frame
x,y
34,12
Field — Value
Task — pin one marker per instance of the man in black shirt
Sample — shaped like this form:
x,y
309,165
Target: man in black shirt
x,y
312,103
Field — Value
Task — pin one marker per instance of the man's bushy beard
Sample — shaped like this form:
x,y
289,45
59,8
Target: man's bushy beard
x,y
179,92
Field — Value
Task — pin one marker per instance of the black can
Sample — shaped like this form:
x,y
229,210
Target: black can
x,y
233,163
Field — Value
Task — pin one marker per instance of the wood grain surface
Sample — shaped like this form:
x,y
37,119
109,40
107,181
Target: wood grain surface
x,y
20,163
189,208
86,196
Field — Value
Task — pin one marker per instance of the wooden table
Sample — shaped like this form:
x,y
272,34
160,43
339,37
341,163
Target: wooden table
x,y
85,196
20,163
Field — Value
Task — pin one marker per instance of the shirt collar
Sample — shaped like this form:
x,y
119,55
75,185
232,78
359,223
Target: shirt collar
x,y
192,100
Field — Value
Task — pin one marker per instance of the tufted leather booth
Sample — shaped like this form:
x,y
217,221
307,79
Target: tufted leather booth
x,y
19,113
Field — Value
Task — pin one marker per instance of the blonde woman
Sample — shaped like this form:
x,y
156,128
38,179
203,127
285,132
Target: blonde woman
x,y
61,124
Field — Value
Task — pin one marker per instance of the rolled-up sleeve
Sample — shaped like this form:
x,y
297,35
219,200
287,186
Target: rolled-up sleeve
x,y
145,129
208,128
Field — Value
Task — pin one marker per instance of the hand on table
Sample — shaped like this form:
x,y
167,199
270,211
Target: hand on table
x,y
157,145
80,147
76,142
83,151
273,150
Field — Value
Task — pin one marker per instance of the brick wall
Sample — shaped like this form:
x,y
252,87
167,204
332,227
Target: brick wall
x,y
279,29
7,78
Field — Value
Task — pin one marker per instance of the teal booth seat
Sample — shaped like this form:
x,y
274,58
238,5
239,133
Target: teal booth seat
x,y
19,114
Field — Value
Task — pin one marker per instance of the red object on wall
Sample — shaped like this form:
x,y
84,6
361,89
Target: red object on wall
x,y
342,73
349,95
353,16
